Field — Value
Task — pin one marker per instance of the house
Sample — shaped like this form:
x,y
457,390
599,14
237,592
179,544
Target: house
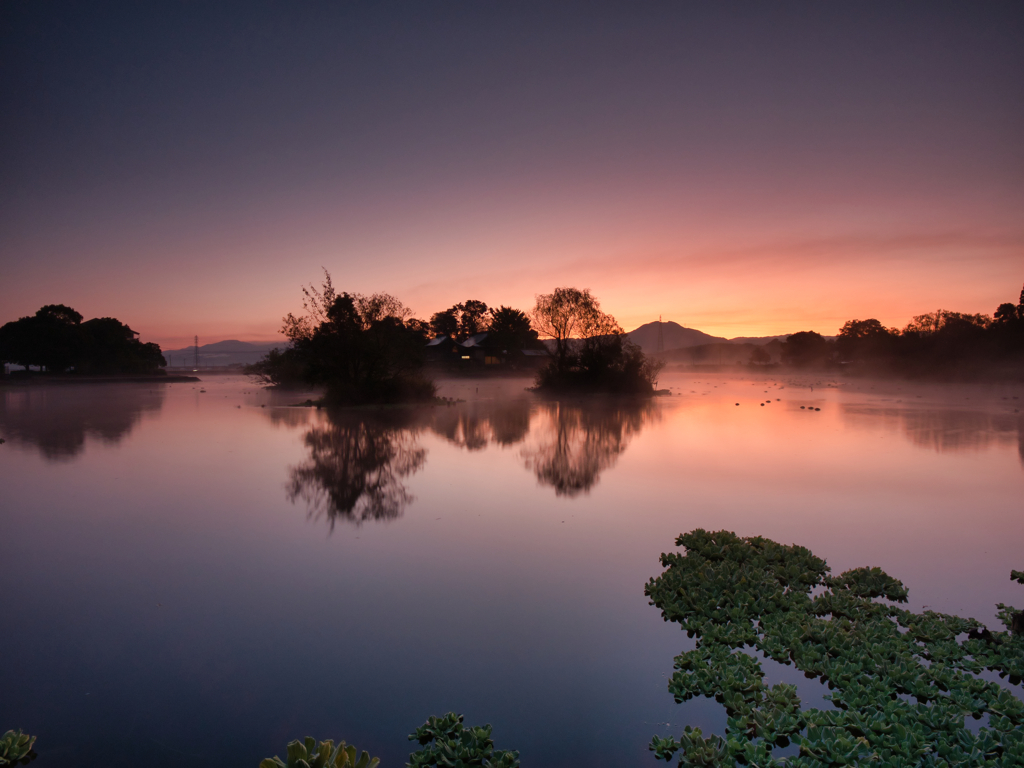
x,y
480,350
444,350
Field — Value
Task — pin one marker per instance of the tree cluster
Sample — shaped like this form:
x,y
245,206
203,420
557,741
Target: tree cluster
x,y
936,342
361,349
509,328
57,340
368,349
592,352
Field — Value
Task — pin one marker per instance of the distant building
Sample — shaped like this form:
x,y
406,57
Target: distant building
x,y
444,350
480,350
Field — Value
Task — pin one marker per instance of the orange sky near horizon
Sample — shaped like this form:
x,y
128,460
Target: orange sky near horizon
x,y
757,283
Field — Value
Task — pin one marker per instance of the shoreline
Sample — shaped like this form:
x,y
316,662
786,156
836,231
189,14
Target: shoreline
x,y
7,381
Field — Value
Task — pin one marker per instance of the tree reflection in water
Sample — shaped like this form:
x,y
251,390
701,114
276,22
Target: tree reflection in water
x,y
57,419
944,430
357,461
474,426
356,465
579,442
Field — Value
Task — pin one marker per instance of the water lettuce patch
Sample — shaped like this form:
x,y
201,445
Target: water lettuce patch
x,y
902,683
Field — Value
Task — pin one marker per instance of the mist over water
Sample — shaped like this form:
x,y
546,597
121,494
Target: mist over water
x,y
217,569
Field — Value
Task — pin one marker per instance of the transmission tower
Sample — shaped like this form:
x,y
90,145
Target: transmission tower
x,y
661,337
197,353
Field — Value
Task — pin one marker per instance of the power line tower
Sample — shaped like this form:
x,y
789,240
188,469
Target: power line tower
x,y
196,365
661,337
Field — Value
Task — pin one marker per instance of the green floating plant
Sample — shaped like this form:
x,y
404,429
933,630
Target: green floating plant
x,y
16,748
448,744
310,754
902,683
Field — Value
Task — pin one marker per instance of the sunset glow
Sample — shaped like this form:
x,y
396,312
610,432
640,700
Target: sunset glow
x,y
785,168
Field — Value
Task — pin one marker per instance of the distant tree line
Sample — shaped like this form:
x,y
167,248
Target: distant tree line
x,y
937,342
56,339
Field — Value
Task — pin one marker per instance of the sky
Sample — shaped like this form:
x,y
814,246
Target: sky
x,y
741,168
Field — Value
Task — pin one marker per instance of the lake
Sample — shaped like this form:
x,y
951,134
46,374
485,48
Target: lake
x,y
197,573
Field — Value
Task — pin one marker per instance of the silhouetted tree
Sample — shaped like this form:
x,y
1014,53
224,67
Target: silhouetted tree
x,y
473,318
943,320
864,340
110,346
1006,313
943,342
461,320
592,353
805,349
52,338
568,313
57,339
1007,328
445,323
510,330
421,327
360,348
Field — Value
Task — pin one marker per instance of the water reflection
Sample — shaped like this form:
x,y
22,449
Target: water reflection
x,y
945,430
575,444
58,419
357,460
474,426
568,445
356,465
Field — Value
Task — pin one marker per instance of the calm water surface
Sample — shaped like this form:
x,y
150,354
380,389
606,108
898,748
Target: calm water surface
x,y
197,577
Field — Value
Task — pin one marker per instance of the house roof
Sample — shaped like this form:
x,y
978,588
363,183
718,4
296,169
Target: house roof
x,y
437,342
476,340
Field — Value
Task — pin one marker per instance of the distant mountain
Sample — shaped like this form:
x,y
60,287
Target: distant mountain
x,y
679,337
675,336
221,353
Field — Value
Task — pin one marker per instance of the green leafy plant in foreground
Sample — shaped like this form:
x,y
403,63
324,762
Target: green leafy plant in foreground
x,y
448,744
16,748
902,683
445,742
310,754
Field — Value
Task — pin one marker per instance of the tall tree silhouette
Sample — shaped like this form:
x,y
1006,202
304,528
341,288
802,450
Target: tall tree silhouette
x,y
592,353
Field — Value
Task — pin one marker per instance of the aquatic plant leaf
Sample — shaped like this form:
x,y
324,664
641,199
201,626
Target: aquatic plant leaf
x,y
16,748
311,754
